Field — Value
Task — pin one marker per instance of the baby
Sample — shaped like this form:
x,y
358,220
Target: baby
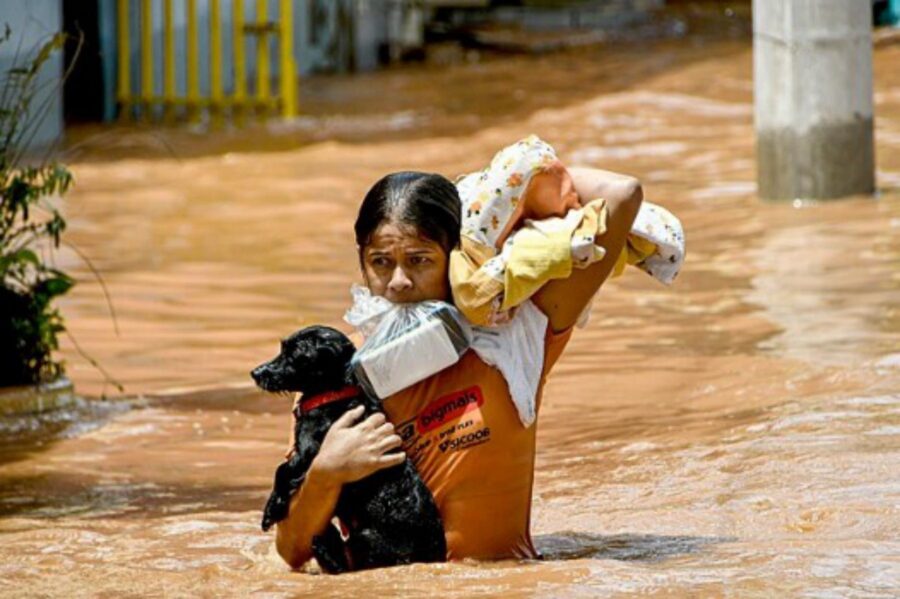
x,y
524,224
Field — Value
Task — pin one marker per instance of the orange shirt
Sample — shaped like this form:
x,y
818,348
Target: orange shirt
x,y
463,433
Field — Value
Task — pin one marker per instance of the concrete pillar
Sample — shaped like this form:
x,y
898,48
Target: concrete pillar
x,y
812,63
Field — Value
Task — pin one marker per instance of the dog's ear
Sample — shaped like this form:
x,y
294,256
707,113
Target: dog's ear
x,y
325,360
335,347
333,356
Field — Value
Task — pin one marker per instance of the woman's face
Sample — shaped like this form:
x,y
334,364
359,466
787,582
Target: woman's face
x,y
403,267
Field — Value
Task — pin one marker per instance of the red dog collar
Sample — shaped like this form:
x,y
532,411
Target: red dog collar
x,y
314,401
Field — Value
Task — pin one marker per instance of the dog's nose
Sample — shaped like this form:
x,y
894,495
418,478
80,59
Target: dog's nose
x,y
257,372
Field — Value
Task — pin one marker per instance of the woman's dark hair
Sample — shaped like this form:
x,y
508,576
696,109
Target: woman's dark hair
x,y
426,201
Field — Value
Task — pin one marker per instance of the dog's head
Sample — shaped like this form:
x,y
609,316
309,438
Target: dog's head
x,y
312,360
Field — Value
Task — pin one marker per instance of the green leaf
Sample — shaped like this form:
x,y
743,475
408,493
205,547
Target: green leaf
x,y
55,286
20,256
28,286
54,43
17,192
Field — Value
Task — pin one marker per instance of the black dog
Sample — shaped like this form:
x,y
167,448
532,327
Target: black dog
x,y
391,514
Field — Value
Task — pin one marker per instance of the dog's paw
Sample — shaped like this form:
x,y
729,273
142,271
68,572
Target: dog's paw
x,y
276,510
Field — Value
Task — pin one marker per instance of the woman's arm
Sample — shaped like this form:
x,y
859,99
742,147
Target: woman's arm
x,y
311,510
563,300
348,453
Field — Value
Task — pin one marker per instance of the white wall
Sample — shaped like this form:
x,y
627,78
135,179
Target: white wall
x,y
33,22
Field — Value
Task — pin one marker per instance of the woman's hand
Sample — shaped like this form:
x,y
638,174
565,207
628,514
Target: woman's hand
x,y
350,451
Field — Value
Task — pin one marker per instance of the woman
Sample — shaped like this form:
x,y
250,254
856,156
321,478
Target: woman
x,y
460,426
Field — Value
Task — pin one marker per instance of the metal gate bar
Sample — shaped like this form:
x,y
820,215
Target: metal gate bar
x,y
263,101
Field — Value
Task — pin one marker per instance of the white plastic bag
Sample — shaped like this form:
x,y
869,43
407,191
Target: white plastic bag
x,y
404,343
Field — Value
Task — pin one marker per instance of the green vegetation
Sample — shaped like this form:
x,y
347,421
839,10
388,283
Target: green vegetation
x,y
30,229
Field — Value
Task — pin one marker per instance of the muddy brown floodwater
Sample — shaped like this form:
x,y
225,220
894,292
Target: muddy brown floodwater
x,y
737,434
